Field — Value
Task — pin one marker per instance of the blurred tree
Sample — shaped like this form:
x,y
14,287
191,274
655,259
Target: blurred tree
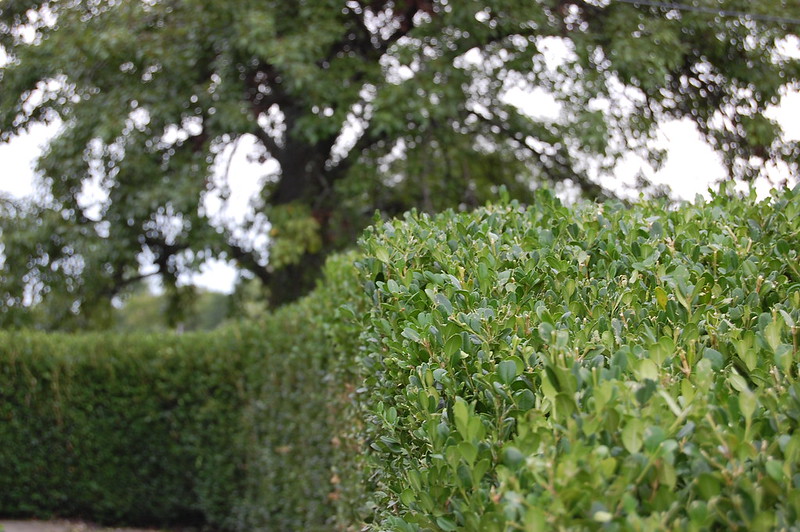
x,y
360,104
144,311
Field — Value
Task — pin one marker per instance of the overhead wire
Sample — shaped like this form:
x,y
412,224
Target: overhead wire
x,y
714,11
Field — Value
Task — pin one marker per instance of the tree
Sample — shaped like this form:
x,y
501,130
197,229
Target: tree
x,y
363,105
143,311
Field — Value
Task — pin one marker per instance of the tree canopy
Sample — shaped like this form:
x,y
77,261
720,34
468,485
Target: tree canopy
x,y
360,105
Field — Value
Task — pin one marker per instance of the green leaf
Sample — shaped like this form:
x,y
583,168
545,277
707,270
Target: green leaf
x,y
747,403
698,512
772,333
479,471
444,303
392,285
382,254
546,331
565,405
475,429
524,399
507,370
453,346
715,357
661,297
411,334
738,383
446,524
461,415
536,520
407,497
632,436
775,469
468,452
512,457
645,391
708,485
787,318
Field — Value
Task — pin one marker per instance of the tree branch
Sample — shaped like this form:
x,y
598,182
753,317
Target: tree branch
x,y
269,143
248,261
564,172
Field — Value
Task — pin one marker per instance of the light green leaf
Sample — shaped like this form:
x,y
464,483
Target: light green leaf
x,y
632,436
382,254
507,371
661,297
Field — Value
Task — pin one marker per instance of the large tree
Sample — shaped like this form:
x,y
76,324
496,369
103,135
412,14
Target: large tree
x,y
363,105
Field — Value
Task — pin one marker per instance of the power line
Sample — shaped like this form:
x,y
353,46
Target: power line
x,y
713,11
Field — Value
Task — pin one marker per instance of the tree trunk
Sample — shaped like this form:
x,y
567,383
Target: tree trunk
x,y
304,180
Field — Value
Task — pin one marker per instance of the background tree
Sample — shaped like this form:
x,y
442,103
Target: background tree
x,y
143,311
362,104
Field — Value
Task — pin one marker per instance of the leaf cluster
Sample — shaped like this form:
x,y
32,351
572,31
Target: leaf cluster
x,y
550,368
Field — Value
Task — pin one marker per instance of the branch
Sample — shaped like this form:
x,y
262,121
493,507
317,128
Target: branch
x,y
365,142
269,143
118,282
565,171
248,260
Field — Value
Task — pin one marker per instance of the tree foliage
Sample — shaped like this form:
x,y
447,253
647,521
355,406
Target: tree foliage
x,y
200,310
360,105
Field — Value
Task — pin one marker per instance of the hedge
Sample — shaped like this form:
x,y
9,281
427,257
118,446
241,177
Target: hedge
x,y
589,367
136,429
228,430
594,367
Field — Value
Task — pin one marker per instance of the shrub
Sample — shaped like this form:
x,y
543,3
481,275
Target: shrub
x,y
231,430
305,447
145,429
540,368
595,367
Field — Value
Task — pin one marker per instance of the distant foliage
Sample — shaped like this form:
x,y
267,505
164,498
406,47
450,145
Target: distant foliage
x,y
549,368
144,311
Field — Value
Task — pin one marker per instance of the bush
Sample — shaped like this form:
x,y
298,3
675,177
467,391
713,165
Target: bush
x,y
145,429
230,429
541,368
304,448
596,367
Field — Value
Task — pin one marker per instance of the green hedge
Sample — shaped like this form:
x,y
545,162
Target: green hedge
x,y
601,366
118,428
582,368
304,448
230,430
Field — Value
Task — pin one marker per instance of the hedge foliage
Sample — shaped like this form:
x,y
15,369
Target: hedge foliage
x,y
542,368
230,430
582,368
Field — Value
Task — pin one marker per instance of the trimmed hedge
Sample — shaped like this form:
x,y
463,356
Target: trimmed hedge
x,y
544,368
121,429
595,367
229,430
